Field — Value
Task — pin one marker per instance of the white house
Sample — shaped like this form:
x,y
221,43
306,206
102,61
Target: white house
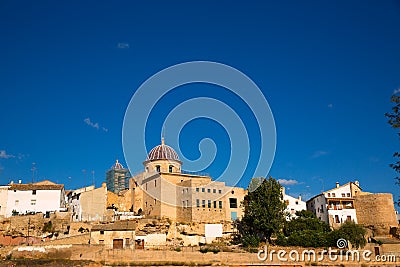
x,y
336,206
44,196
293,204
74,202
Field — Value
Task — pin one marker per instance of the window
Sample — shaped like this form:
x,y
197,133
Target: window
x,y
232,203
333,194
198,203
343,194
203,203
220,204
348,194
102,232
215,204
329,194
33,192
348,218
337,219
197,189
203,190
158,168
233,215
209,204
170,168
214,191
146,186
297,203
155,183
33,202
208,190
219,191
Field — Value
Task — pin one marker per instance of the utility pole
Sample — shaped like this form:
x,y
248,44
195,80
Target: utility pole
x,y
29,226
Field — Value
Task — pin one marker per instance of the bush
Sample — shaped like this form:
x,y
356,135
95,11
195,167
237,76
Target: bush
x,y
250,240
47,227
178,249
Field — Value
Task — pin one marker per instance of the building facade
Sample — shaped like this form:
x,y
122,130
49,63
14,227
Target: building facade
x,y
164,190
44,196
336,206
293,205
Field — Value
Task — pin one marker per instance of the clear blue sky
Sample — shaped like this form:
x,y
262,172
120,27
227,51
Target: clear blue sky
x,y
327,69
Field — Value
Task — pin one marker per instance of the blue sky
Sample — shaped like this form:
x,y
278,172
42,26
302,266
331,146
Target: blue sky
x,y
327,68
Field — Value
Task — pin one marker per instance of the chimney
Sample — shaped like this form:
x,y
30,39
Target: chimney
x,y
12,182
299,197
357,183
20,181
337,184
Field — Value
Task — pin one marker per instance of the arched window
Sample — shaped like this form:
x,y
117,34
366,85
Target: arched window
x,y
158,168
170,168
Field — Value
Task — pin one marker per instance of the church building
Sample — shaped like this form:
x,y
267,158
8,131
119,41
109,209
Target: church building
x,y
164,190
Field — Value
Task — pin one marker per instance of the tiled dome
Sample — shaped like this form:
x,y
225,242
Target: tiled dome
x,y
162,152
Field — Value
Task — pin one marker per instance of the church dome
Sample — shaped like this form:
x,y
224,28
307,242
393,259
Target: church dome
x,y
162,152
117,166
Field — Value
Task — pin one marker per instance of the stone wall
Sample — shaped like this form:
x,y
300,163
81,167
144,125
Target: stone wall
x,y
376,211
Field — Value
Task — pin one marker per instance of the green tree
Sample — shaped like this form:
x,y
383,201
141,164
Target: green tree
x,y
306,230
394,121
354,233
263,212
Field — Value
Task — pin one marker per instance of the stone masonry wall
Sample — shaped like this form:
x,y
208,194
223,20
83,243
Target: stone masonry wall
x,y
376,211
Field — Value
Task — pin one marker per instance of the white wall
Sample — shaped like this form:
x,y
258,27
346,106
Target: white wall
x,y
293,205
3,200
24,201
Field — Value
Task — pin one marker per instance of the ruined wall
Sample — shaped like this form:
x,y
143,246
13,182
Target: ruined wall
x,y
376,211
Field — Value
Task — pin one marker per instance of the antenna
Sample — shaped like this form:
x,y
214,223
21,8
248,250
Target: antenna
x,y
33,171
93,177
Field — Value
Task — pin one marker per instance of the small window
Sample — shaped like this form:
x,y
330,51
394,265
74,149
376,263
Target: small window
x,y
197,189
215,204
102,232
33,192
348,218
214,191
158,168
203,203
208,190
233,192
333,194
155,183
297,203
232,203
348,194
220,204
203,190
209,204
198,203
343,194
219,191
170,168
329,194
